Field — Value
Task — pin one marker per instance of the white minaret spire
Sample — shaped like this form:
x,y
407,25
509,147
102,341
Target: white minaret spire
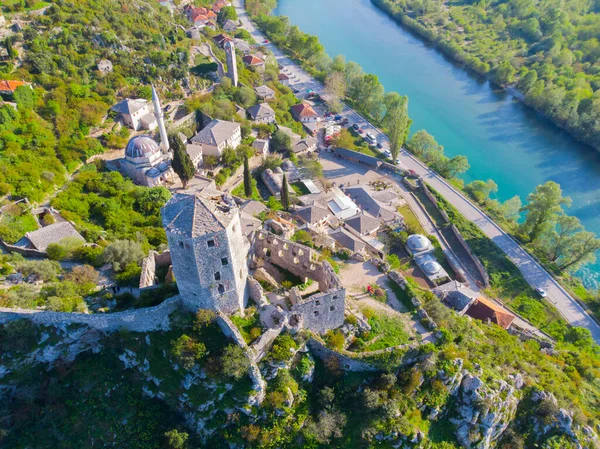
x,y
160,119
231,62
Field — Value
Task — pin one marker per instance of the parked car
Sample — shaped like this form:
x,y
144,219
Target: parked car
x,y
541,292
356,127
295,90
360,130
338,117
266,41
387,153
345,121
379,145
168,108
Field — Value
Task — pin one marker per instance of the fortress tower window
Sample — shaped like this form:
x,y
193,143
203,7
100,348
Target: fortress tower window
x,y
210,243
218,276
224,261
180,244
221,289
331,308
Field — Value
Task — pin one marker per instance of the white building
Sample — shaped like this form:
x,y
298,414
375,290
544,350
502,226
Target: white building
x,y
261,113
218,135
136,114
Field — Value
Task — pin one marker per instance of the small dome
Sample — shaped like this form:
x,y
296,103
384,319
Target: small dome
x,y
432,267
163,166
141,147
418,242
153,172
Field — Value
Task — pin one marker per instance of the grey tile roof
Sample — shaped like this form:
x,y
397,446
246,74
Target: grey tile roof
x,y
364,199
253,207
347,240
312,214
363,223
194,216
309,143
53,233
260,111
456,295
260,144
193,150
129,106
264,91
360,157
215,133
295,138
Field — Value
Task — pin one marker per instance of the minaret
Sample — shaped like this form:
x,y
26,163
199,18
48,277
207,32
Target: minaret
x,y
231,62
160,119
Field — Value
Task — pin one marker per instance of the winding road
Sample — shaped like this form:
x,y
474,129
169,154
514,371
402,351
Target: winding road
x,y
533,272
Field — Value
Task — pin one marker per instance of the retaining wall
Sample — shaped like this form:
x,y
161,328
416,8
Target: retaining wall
x,y
139,320
478,265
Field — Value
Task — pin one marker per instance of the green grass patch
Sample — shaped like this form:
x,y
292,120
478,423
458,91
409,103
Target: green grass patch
x,y
411,219
239,191
300,189
386,330
249,325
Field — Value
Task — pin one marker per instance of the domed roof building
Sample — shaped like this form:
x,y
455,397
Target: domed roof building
x,y
141,147
417,243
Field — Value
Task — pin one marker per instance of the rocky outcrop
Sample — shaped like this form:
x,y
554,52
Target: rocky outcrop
x,y
482,411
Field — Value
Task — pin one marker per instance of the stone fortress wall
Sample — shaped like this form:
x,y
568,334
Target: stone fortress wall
x,y
138,320
318,312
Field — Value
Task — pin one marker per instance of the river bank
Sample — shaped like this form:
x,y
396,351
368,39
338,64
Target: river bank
x,y
475,64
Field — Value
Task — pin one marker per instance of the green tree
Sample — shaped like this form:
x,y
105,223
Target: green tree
x,y
285,194
176,439
12,53
247,179
396,121
152,199
227,13
455,166
188,351
543,207
120,253
234,362
182,164
480,191
281,142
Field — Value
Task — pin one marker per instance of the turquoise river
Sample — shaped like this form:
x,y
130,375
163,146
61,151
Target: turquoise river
x,y
503,139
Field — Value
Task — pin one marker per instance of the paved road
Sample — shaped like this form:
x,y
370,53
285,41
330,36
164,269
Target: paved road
x,y
533,272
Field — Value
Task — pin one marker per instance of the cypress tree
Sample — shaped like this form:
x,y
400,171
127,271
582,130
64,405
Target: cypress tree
x,y
182,164
285,195
247,178
9,48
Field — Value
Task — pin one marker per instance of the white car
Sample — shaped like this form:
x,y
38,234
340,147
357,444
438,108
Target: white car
x,y
541,292
388,153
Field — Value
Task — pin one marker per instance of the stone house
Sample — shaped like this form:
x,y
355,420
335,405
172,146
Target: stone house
x,y
265,92
254,61
230,26
41,238
218,135
136,114
262,146
261,113
283,79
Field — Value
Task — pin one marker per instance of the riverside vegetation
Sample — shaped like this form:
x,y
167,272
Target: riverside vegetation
x,y
547,50
186,387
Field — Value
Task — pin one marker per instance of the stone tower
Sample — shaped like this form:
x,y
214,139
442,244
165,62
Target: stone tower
x,y
231,62
160,119
208,251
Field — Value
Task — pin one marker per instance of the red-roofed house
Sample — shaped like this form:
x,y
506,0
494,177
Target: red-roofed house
x,y
221,39
254,61
8,87
483,309
218,6
284,79
211,15
304,113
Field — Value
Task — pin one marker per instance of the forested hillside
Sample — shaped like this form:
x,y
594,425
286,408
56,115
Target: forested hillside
x,y
549,50
58,123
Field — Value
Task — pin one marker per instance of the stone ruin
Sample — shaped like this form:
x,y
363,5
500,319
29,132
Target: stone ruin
x,y
317,312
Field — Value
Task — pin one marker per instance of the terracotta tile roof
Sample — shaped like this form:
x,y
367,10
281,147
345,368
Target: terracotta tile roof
x,y
484,309
11,85
303,110
196,17
283,76
211,15
252,60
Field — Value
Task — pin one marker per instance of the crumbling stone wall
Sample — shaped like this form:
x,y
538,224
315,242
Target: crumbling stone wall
x,y
318,312
231,331
260,348
149,266
322,311
140,320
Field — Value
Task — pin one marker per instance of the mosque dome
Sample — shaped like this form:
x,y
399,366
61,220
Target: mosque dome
x,y
418,242
163,166
141,147
431,267
153,172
